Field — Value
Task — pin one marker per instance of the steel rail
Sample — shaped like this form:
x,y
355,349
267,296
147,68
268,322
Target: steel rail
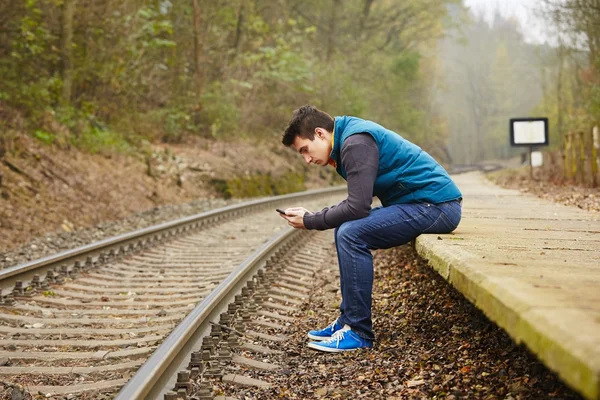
x,y
122,244
158,374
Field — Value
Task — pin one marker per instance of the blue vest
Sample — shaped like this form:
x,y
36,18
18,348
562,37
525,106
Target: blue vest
x,y
406,173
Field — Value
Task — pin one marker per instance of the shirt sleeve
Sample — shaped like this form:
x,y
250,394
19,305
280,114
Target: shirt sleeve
x,y
360,159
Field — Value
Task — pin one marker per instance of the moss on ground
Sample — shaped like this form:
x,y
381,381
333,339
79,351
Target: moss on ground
x,y
259,185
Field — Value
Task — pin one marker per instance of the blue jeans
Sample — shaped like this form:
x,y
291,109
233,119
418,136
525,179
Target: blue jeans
x,y
383,228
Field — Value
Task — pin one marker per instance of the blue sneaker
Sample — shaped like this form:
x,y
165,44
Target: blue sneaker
x,y
325,334
342,340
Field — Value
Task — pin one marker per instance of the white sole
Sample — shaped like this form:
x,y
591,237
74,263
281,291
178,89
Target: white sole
x,y
315,346
318,338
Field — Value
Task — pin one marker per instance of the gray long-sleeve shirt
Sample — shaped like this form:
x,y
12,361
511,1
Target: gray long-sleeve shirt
x,y
360,159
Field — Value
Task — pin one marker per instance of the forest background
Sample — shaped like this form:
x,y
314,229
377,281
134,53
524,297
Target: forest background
x,y
115,75
148,80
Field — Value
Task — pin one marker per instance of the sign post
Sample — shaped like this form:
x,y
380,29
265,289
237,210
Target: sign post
x,y
529,132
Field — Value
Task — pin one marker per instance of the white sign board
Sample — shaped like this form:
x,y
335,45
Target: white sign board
x,y
537,159
529,131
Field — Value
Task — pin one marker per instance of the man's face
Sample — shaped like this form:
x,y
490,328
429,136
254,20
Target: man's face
x,y
315,151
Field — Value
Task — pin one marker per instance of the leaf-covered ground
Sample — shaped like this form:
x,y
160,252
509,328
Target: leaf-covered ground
x,y
586,198
432,344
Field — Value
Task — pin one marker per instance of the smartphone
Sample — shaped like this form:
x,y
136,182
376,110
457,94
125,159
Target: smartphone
x,y
280,211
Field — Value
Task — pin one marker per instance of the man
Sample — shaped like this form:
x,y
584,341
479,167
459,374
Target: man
x,y
417,194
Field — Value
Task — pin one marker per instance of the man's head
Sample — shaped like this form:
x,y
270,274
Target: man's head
x,y
309,132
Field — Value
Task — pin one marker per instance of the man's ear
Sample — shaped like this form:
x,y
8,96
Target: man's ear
x,y
320,132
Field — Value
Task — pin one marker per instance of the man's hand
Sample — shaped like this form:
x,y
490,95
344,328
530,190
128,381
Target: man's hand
x,y
295,217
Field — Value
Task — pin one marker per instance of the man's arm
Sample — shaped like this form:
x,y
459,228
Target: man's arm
x,y
360,158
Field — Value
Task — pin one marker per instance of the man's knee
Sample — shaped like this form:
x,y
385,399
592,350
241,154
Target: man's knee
x,y
348,231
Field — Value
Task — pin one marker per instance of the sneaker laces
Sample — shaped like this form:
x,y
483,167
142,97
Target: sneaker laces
x,y
338,336
331,325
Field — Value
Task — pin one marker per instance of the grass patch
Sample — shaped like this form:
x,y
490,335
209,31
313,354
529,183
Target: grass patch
x,y
96,140
44,137
259,185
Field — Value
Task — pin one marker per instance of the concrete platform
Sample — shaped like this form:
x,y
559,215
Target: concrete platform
x,y
533,267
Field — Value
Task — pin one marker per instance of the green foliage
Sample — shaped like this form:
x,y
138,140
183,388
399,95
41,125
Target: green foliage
x,y
154,30
259,185
173,123
133,78
595,100
352,98
220,186
34,37
406,66
572,73
277,75
28,81
280,63
341,95
289,183
104,141
594,105
250,186
69,117
36,95
219,111
44,137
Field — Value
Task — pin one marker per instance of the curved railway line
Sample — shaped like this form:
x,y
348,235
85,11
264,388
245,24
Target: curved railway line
x,y
160,312
143,307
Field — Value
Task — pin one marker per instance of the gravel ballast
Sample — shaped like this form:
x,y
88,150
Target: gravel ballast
x,y
60,241
432,344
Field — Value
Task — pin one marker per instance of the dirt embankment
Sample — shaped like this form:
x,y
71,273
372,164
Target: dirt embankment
x,y
48,189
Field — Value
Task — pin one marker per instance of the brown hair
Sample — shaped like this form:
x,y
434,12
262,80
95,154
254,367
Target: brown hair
x,y
304,122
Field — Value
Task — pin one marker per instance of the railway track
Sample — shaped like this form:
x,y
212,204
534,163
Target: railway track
x,y
147,299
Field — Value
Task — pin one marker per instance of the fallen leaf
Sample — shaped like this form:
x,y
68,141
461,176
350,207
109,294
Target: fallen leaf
x,y
415,383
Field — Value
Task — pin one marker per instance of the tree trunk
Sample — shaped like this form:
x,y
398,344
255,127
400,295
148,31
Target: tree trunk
x,y
365,15
332,31
559,93
199,74
66,45
238,28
